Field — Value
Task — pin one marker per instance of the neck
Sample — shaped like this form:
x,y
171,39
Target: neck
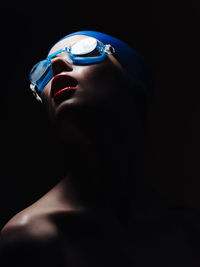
x,y
96,165
93,169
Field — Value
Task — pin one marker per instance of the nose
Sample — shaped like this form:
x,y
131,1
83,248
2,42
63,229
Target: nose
x,y
59,65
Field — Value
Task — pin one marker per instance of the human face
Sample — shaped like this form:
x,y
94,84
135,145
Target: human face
x,y
81,85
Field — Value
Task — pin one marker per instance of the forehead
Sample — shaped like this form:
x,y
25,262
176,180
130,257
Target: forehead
x,y
69,41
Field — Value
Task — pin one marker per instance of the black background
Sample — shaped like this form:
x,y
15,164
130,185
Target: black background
x,y
165,33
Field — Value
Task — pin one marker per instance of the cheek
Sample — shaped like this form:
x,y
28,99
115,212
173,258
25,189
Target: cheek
x,y
101,80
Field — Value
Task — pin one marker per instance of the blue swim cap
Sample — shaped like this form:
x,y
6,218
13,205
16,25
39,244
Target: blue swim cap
x,y
130,59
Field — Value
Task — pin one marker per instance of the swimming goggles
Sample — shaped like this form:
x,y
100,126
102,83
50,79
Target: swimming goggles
x,y
84,52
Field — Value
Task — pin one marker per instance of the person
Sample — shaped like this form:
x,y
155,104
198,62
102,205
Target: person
x,y
96,90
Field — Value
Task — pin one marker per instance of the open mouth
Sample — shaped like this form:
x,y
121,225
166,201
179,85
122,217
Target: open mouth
x,y
63,87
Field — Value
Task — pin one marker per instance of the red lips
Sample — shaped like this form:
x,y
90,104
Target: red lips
x,y
62,87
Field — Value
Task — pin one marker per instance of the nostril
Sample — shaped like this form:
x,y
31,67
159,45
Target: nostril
x,y
59,65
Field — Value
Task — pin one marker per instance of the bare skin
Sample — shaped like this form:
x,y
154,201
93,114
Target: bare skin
x,y
85,219
76,223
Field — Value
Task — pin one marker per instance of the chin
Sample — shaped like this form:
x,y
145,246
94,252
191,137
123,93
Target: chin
x,y
64,109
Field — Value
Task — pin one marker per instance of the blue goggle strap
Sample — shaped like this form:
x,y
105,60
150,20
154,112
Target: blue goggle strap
x,y
58,52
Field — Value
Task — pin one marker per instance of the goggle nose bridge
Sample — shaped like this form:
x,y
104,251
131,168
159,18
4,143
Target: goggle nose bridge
x,y
65,49
66,58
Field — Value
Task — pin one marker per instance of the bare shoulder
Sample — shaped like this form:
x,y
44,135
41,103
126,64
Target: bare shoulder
x,y
59,237
31,239
29,224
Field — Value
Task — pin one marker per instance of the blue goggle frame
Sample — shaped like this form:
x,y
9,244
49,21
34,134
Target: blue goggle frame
x,y
42,72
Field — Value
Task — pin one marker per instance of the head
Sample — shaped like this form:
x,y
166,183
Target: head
x,y
120,68
96,97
